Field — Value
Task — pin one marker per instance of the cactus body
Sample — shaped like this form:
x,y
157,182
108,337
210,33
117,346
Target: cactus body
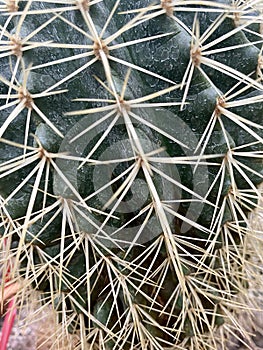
x,y
131,151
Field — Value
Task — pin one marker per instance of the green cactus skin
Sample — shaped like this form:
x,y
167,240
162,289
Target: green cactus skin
x,y
131,144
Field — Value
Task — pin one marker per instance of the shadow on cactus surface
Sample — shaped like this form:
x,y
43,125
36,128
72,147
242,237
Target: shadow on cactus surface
x,y
131,154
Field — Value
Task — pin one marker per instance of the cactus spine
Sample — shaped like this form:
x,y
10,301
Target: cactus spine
x,y
131,154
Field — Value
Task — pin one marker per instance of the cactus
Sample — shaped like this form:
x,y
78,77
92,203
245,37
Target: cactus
x,y
131,154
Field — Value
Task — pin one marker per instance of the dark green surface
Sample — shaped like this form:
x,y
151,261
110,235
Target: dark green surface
x,y
169,57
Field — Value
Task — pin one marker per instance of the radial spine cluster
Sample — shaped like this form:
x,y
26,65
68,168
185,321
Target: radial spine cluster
x,y
131,145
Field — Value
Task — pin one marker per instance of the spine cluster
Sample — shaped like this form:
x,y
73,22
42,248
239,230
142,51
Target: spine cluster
x,y
130,158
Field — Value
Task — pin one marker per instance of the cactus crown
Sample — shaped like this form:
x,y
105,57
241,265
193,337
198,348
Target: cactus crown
x,y
131,151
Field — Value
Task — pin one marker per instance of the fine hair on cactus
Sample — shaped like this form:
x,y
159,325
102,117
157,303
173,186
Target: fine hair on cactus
x,y
131,146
